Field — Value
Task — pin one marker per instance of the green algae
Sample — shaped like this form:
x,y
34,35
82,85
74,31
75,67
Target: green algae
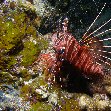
x,y
70,105
18,38
32,50
40,106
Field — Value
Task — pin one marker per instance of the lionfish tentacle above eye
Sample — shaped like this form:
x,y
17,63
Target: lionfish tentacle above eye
x,y
65,25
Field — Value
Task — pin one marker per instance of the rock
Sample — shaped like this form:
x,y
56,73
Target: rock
x,y
101,101
43,92
85,102
53,98
108,88
42,7
9,98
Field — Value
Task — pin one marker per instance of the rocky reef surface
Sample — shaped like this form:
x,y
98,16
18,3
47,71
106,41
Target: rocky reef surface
x,y
25,30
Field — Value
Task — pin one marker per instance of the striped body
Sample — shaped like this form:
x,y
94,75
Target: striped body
x,y
67,48
49,63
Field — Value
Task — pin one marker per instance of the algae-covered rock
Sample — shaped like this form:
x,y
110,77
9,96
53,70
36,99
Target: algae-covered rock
x,y
41,106
44,96
20,43
99,102
10,100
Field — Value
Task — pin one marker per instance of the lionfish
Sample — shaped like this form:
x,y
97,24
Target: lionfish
x,y
87,55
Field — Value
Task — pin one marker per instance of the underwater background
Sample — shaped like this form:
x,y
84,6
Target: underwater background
x,y
25,30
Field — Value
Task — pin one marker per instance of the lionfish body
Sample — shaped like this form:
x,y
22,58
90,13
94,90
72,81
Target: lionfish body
x,y
67,48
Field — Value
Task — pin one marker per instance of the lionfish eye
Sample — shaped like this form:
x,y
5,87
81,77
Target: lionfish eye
x,y
61,51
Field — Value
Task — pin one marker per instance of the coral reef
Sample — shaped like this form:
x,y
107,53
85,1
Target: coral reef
x,y
23,84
